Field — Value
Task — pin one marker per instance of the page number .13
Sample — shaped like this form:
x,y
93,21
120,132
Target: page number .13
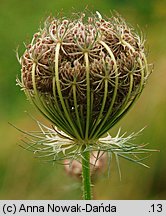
x,y
156,208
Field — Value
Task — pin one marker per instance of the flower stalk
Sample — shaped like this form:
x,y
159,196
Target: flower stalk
x,y
86,178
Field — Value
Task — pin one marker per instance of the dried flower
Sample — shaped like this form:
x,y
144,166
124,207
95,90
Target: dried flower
x,y
84,74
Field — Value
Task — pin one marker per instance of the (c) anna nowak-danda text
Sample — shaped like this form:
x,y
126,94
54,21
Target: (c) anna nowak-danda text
x,y
67,208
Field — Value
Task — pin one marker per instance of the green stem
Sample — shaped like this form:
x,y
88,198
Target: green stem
x,y
86,178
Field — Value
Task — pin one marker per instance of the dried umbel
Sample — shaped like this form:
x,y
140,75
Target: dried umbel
x,y
84,74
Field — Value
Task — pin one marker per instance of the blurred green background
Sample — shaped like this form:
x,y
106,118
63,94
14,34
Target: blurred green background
x,y
24,177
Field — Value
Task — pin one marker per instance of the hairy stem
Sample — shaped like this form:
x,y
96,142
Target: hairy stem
x,y
86,178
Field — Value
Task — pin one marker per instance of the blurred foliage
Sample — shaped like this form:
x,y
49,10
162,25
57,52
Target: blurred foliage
x,y
22,176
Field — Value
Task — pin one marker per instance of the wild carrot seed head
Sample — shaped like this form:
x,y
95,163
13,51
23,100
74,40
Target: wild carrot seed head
x,y
85,73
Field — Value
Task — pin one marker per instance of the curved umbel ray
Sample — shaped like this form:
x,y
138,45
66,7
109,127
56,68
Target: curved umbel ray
x,y
66,113
103,121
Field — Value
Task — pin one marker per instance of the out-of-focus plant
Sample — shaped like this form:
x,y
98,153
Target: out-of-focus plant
x,y
84,74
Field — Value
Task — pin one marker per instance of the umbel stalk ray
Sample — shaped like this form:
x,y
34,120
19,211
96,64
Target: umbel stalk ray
x,y
84,74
